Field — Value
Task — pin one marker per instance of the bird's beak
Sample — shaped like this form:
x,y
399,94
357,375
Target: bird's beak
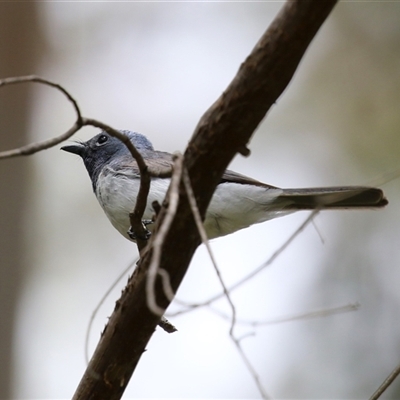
x,y
77,148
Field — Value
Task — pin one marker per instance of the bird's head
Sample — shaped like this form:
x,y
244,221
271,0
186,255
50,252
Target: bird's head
x,y
104,148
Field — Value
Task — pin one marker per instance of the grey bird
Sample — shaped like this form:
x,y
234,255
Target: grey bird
x,y
237,203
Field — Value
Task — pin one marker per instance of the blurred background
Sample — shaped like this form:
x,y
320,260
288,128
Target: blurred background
x,y
155,68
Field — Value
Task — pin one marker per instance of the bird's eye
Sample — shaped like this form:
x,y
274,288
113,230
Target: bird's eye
x,y
101,140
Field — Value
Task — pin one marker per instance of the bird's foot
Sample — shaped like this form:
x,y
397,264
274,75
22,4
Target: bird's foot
x,y
146,233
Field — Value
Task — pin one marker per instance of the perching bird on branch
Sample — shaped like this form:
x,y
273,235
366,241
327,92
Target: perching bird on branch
x,y
237,203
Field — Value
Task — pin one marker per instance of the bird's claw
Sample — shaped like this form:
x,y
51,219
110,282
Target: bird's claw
x,y
146,234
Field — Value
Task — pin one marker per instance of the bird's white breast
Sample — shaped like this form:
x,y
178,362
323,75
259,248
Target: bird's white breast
x,y
117,193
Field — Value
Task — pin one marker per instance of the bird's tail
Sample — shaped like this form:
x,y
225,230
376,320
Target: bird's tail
x,y
332,198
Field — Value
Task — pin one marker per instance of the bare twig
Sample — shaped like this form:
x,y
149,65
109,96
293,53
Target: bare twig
x,y
158,242
100,303
275,255
204,239
386,383
250,367
166,325
46,144
37,79
253,273
290,318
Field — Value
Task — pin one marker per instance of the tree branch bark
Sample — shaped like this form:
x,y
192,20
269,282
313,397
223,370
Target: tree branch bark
x,y
223,131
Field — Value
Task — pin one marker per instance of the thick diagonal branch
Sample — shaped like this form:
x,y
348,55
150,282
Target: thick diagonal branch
x,y
223,131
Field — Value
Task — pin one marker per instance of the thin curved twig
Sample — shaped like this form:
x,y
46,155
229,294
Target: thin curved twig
x,y
327,312
46,144
101,302
37,79
33,148
226,292
386,383
158,242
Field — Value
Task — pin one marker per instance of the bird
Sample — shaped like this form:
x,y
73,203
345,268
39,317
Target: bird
x,y
238,201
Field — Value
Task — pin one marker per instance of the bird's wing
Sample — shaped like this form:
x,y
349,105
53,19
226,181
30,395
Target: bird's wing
x,y
159,164
234,177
